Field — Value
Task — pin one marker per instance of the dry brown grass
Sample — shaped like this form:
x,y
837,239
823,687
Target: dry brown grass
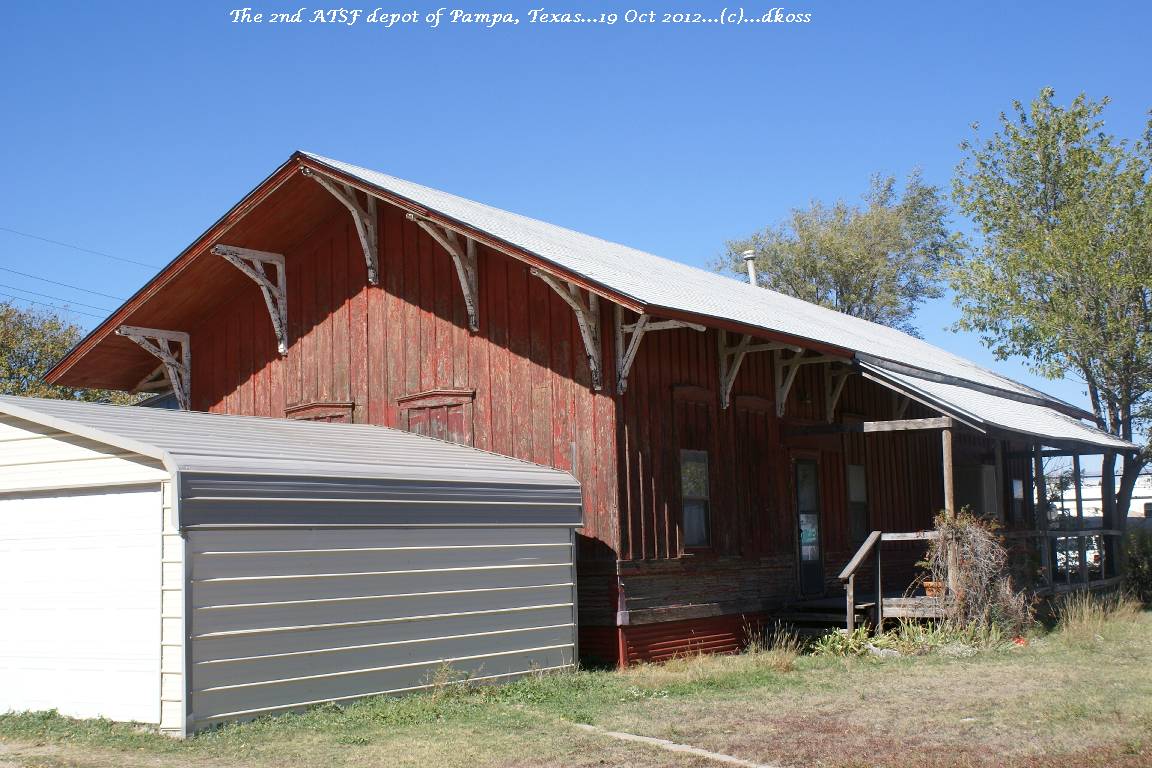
x,y
1081,696
1084,617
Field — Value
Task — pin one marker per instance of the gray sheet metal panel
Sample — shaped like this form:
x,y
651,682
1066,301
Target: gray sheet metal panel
x,y
285,618
253,699
216,499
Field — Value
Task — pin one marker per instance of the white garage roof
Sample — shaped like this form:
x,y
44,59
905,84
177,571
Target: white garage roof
x,y
189,441
957,385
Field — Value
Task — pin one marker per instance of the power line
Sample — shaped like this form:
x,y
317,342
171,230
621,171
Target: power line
x,y
53,306
57,298
79,248
64,285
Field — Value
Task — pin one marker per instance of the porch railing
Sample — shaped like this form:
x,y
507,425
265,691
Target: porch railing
x,y
1049,543
1064,551
872,546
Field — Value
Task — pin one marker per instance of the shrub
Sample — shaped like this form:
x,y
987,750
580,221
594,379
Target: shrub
x,y
1139,550
970,558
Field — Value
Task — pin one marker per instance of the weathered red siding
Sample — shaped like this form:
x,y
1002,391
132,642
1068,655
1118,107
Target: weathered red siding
x,y
400,354
373,346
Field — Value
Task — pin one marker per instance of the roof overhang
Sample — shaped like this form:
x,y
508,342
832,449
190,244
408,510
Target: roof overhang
x,y
999,413
122,364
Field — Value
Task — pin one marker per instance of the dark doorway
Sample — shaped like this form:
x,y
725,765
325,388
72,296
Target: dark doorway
x,y
807,484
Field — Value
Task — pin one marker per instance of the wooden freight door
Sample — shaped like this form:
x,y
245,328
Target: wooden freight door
x,y
807,485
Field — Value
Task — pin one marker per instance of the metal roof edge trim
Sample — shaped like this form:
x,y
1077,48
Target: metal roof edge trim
x,y
877,375
964,417
1040,398
99,435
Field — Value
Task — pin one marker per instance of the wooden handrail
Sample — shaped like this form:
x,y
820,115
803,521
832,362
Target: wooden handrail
x,y
858,558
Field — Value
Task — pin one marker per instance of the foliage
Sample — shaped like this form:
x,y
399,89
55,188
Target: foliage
x,y
969,557
1062,272
1139,574
777,648
878,261
843,643
31,341
975,708
1084,616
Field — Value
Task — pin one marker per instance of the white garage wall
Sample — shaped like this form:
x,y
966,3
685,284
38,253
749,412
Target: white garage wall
x,y
284,618
35,457
80,586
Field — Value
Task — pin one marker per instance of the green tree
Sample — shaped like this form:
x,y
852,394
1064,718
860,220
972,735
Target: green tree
x,y
31,341
877,261
1061,271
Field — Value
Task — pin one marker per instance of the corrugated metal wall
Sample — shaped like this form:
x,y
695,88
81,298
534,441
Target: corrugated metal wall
x,y
283,618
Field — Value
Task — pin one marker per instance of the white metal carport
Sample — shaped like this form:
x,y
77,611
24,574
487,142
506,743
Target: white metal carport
x,y
182,569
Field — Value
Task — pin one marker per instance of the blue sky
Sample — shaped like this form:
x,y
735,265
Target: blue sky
x,y
128,128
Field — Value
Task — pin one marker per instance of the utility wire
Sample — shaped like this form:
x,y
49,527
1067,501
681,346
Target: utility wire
x,y
65,285
78,248
53,306
56,298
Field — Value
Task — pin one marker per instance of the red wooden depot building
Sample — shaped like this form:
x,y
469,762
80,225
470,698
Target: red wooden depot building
x,y
736,447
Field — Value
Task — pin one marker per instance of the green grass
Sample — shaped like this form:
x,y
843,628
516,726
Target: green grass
x,y
1080,694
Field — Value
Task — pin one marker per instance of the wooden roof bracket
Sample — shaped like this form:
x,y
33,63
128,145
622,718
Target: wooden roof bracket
x,y
629,336
786,371
252,263
834,387
587,317
156,381
464,259
159,344
732,357
367,222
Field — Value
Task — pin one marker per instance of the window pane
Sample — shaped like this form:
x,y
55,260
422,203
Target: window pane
x,y
695,523
857,485
694,474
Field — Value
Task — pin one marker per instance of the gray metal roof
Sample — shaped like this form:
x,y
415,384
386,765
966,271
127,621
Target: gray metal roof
x,y
657,282
188,441
984,411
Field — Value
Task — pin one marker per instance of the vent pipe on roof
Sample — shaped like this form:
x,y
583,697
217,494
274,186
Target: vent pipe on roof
x,y
750,263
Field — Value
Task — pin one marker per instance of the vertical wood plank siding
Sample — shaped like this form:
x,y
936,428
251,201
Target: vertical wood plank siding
x,y
351,343
372,345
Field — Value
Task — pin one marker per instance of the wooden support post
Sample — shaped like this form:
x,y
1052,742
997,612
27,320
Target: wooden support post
x,y
850,600
879,594
1041,513
949,474
1112,550
1001,490
1082,540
